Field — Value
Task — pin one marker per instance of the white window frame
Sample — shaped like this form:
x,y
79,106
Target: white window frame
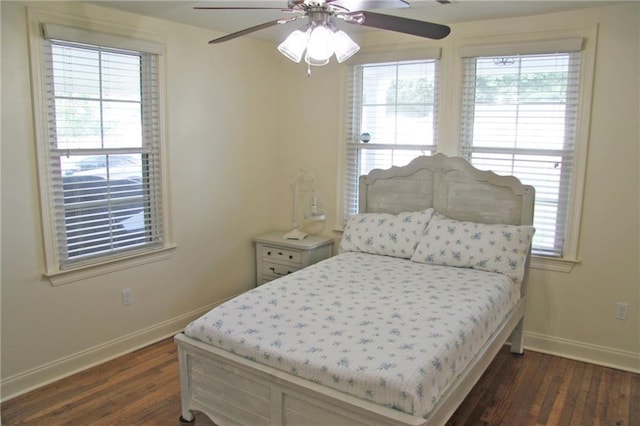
x,y
587,38
349,136
450,107
76,29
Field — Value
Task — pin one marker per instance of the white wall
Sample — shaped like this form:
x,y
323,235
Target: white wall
x,y
572,314
222,149
241,121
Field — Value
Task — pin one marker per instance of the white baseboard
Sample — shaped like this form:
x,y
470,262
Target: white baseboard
x,y
37,377
599,355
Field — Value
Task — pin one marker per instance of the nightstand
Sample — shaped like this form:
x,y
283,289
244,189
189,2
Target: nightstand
x,y
277,256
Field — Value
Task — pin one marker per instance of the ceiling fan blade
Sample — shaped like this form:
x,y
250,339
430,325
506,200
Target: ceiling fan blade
x,y
404,25
245,31
357,5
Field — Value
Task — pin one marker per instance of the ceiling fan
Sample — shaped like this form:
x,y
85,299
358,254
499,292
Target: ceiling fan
x,y
320,38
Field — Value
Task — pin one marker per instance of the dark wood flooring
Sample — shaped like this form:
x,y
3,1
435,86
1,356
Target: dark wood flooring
x,y
142,388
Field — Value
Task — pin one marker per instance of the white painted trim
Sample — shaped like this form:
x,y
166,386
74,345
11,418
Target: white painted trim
x,y
343,109
519,48
553,264
148,41
79,35
394,54
37,377
593,354
112,265
583,133
76,26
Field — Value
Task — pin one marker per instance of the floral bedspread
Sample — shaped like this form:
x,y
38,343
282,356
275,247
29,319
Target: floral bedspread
x,y
384,329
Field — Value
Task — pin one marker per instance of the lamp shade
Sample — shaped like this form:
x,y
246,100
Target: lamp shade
x,y
294,45
320,45
344,46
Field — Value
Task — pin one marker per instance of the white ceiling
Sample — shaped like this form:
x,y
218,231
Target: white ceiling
x,y
426,10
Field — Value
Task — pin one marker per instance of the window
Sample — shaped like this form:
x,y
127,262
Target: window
x,y
392,118
100,167
519,117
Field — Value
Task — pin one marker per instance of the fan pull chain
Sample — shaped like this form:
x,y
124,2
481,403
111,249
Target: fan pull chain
x,y
308,69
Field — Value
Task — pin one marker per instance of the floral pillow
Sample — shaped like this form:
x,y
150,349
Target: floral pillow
x,y
493,248
386,234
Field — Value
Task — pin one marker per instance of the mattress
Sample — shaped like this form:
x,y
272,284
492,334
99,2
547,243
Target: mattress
x,y
384,329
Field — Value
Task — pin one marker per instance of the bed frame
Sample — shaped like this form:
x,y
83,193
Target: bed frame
x,y
232,390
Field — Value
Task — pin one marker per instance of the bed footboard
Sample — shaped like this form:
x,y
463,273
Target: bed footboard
x,y
234,392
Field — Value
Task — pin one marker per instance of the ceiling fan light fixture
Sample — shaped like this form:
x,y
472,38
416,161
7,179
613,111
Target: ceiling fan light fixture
x,y
320,39
294,45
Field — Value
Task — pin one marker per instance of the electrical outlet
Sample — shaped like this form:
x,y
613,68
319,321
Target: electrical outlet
x,y
622,311
127,298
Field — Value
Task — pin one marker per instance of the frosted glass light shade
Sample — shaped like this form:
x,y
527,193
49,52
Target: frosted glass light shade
x,y
315,62
320,45
344,46
294,45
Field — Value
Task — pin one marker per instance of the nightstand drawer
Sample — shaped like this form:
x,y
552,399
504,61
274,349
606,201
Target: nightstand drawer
x,y
279,254
275,269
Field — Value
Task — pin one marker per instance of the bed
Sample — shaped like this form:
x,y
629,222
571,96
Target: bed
x,y
397,328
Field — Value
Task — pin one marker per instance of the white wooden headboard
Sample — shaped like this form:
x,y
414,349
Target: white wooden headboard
x,y
450,185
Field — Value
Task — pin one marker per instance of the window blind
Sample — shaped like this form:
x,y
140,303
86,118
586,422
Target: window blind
x,y
392,118
519,118
103,150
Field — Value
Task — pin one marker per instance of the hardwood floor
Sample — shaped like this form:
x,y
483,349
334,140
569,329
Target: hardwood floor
x,y
142,388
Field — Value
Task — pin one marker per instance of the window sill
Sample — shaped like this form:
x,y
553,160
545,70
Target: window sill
x,y
553,264
89,271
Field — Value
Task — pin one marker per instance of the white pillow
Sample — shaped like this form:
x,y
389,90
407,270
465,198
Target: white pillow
x,y
386,234
493,248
